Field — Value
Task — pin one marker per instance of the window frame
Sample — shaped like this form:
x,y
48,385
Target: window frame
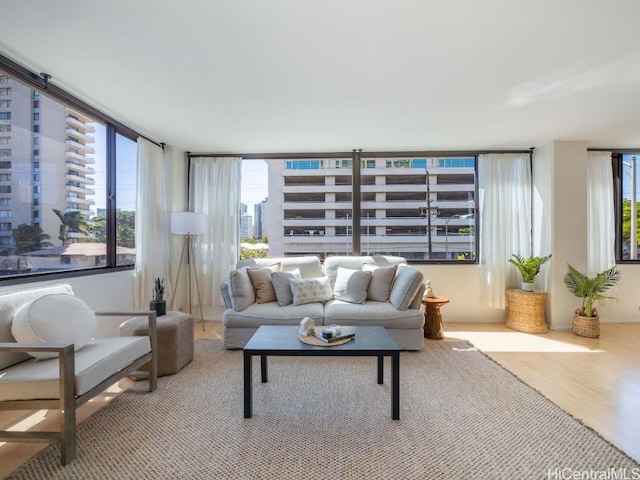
x,y
113,127
617,159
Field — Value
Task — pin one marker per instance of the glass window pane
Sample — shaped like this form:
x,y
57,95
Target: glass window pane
x,y
49,185
419,208
629,209
126,180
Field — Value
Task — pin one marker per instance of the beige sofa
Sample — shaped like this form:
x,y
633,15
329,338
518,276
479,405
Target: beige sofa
x,y
69,372
393,303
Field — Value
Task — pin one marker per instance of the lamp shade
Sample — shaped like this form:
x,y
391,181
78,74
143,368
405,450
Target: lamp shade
x,y
188,222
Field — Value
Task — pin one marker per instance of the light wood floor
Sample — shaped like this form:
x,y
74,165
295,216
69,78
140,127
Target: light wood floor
x,y
595,380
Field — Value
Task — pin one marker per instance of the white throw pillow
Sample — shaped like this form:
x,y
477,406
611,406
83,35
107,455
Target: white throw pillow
x,y
55,318
351,285
310,290
379,288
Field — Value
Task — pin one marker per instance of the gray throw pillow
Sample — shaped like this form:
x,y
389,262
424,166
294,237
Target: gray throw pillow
x,y
405,286
226,296
242,294
379,287
282,286
351,285
311,290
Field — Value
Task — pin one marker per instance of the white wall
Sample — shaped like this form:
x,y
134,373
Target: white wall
x,y
559,199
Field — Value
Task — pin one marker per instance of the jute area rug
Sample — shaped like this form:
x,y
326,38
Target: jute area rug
x,y
462,416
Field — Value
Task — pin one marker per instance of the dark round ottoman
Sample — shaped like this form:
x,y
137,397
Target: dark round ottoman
x,y
175,339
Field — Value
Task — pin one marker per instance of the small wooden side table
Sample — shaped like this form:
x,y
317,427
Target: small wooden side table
x,y
433,324
525,311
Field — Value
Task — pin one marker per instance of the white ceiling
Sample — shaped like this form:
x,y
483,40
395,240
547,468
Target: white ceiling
x,y
332,75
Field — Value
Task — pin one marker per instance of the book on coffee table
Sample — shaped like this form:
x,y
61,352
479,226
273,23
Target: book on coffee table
x,y
340,336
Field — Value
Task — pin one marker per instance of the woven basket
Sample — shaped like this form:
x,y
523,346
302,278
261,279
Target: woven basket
x,y
525,311
586,326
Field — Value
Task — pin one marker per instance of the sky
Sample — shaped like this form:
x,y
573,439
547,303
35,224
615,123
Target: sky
x,y
255,183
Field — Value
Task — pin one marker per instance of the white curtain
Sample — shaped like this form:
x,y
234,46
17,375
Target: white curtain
x,y
215,191
152,223
504,182
600,213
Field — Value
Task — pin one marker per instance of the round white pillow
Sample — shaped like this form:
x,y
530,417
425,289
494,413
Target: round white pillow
x,y
56,318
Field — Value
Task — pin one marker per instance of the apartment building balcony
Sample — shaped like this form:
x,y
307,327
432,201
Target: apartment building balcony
x,y
81,179
79,115
79,167
80,157
85,149
79,189
83,137
80,201
83,127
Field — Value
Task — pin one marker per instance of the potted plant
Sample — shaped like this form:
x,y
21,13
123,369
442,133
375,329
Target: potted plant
x,y
158,303
586,321
528,267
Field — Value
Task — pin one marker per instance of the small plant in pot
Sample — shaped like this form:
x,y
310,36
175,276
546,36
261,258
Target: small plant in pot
x,y
158,303
586,321
528,267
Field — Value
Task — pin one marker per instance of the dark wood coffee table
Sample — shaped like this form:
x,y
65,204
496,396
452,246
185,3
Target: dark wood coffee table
x,y
283,341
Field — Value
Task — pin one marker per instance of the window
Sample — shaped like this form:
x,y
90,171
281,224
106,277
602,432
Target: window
x,y
5,115
5,140
5,103
423,208
63,219
5,128
627,166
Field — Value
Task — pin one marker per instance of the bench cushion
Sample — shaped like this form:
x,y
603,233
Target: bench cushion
x,y
99,359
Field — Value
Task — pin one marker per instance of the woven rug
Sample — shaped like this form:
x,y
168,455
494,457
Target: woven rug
x,y
462,416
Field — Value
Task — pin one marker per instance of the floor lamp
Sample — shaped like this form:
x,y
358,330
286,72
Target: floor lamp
x,y
188,224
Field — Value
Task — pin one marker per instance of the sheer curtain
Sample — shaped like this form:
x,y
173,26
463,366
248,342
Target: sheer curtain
x,y
152,223
504,182
600,213
215,191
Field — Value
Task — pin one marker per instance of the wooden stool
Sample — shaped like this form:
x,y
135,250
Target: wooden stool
x,y
433,324
525,311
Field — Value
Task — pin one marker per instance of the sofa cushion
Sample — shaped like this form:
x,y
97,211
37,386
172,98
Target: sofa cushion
x,y
242,293
282,286
379,287
9,304
406,284
262,286
371,314
272,314
310,290
351,285
100,358
54,318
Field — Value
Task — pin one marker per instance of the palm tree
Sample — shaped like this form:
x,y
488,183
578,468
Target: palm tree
x,y
73,221
28,238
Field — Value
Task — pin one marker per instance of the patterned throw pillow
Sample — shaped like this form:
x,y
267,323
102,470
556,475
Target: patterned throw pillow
x,y
311,290
351,285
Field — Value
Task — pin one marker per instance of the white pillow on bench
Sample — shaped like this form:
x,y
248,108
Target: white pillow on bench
x,y
54,318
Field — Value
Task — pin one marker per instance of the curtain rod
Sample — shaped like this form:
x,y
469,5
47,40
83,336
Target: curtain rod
x,y
363,154
42,83
615,150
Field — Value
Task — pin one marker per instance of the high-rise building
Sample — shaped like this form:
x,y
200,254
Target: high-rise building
x,y
260,227
43,145
246,224
418,208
